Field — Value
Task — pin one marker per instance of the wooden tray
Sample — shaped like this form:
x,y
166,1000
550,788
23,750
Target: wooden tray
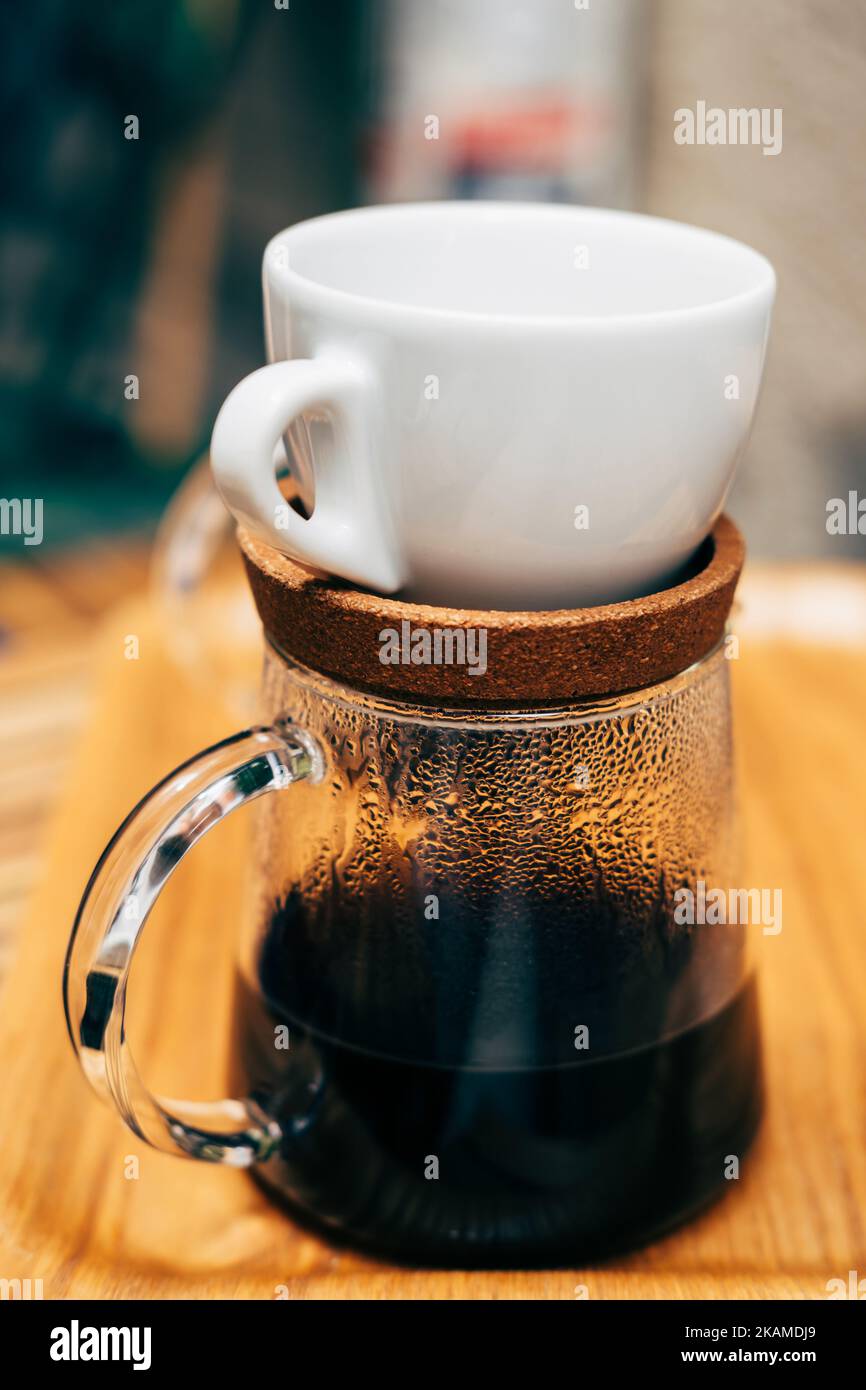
x,y
72,1212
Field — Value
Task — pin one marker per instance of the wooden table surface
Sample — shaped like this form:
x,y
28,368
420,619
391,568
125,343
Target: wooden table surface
x,y
84,731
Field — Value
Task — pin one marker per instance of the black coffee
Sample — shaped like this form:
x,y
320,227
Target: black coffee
x,y
479,1165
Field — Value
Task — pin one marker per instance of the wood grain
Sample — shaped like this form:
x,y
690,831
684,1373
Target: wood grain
x,y
69,1214
47,611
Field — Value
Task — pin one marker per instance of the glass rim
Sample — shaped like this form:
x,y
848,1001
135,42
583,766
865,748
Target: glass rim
x,y
498,716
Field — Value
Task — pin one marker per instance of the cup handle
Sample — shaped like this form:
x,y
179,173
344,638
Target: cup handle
x,y
349,532
123,888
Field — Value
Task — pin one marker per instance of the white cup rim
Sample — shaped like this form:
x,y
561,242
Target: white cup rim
x,y
364,308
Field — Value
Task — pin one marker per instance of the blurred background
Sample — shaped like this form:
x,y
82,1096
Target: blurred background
x,y
151,150
130,248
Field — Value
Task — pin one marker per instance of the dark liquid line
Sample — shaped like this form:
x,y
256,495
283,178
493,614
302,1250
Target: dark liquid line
x,y
556,1163
297,1028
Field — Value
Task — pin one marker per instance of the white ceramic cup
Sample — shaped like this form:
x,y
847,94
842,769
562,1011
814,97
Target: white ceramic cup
x,y
498,405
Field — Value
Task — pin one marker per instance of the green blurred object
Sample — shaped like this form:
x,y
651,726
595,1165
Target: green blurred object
x,y
79,204
251,108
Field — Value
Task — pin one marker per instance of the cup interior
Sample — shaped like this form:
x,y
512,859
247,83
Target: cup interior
x,y
523,260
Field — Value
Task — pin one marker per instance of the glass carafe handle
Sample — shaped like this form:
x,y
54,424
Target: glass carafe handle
x,y
123,888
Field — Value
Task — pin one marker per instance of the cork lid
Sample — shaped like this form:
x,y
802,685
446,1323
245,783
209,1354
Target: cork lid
x,y
475,657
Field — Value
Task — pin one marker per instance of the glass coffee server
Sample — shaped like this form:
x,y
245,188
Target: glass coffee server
x,y
473,1025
